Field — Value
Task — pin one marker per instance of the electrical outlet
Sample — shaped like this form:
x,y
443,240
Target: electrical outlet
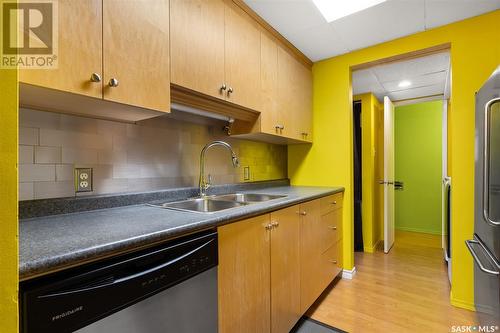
x,y
83,180
246,173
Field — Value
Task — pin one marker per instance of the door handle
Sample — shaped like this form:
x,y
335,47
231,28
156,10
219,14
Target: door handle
x,y
470,245
486,163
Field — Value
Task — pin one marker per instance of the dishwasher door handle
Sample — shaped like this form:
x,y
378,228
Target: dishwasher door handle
x,y
470,245
128,277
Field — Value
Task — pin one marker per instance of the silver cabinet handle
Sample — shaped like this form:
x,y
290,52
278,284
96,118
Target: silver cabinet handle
x,y
304,133
275,224
486,163
470,244
223,87
303,213
333,227
334,202
113,82
94,77
230,90
269,226
333,261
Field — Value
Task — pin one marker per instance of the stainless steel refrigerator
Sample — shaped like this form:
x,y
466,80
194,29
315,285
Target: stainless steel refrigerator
x,y
485,246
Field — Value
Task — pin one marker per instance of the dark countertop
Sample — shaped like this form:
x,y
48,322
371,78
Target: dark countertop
x,y
51,243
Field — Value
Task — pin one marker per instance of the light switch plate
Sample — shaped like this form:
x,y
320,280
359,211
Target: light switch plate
x,y
83,180
246,173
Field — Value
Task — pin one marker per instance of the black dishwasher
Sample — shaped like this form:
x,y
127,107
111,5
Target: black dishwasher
x,y
168,288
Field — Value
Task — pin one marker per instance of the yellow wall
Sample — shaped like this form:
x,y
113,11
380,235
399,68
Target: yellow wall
x,y
8,201
371,228
475,53
9,272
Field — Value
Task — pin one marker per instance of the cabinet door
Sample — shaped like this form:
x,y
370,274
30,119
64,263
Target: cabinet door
x,y
304,102
311,230
197,45
294,96
136,52
332,263
285,270
269,83
242,58
244,276
331,229
79,53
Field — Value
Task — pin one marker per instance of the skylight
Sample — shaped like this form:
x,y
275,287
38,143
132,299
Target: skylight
x,y
334,9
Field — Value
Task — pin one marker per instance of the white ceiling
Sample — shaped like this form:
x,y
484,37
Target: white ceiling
x,y
428,75
302,24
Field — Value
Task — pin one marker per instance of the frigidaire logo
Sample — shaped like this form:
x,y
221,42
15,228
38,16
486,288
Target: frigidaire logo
x,y
67,313
29,34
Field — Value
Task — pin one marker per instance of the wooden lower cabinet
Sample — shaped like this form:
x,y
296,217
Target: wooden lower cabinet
x,y
331,263
285,269
311,284
273,267
244,276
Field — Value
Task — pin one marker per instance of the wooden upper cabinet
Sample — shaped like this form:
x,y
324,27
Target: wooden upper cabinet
x,y
268,83
285,270
244,276
79,53
304,102
136,53
197,45
242,58
294,96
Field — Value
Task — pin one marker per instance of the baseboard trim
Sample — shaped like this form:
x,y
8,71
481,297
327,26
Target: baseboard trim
x,y
462,304
422,231
349,274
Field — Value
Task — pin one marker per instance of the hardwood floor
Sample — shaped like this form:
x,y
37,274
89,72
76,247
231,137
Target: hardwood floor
x,y
406,290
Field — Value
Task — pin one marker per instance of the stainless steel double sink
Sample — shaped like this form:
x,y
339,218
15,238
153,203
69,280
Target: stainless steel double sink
x,y
215,203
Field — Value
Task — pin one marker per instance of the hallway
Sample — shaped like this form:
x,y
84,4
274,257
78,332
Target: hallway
x,y
404,291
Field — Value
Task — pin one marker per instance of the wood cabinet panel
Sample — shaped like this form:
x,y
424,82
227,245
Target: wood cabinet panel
x,y
310,254
242,58
79,52
332,263
304,102
331,227
136,52
244,276
197,45
285,270
268,83
294,96
331,203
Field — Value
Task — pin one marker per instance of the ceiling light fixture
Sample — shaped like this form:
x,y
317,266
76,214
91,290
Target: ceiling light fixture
x,y
333,10
404,84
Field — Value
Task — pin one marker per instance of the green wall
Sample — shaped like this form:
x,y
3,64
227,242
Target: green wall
x,y
418,158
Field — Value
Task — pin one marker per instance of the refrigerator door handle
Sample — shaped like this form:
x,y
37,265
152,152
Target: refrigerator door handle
x,y
470,244
486,163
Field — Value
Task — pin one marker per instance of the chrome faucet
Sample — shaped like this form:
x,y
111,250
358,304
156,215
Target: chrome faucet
x,y
205,184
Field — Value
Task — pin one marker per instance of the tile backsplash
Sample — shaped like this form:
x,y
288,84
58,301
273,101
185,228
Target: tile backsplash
x,y
154,154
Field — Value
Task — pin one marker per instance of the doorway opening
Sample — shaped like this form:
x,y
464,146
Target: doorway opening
x,y
358,177
404,148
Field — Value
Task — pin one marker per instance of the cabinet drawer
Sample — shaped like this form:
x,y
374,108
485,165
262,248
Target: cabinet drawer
x,y
331,203
331,225
332,262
